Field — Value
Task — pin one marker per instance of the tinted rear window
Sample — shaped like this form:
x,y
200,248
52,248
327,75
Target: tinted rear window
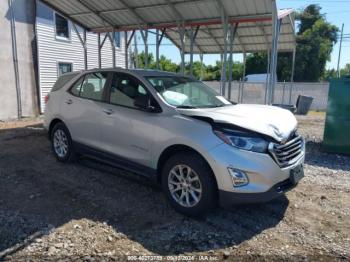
x,y
62,80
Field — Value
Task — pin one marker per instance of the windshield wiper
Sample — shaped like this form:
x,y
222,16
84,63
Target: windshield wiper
x,y
214,106
186,107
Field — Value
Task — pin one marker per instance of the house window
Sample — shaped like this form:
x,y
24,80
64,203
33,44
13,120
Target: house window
x,y
117,39
62,27
64,68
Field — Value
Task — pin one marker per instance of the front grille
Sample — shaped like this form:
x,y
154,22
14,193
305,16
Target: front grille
x,y
289,153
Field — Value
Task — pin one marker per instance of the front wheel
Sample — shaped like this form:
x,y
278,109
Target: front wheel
x,y
189,184
61,143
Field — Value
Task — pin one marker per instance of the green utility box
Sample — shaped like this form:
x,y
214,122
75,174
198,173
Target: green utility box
x,y
337,130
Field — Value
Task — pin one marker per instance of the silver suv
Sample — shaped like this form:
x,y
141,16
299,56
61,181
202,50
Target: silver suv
x,y
198,146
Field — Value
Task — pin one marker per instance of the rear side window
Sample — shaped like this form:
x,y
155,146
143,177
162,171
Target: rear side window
x,y
62,80
75,90
91,86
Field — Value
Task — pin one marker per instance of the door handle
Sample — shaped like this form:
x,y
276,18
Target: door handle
x,y
69,101
108,111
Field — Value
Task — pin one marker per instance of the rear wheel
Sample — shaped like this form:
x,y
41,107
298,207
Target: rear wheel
x,y
61,143
188,183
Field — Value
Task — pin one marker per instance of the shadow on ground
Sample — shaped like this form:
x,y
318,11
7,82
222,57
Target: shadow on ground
x,y
38,193
315,155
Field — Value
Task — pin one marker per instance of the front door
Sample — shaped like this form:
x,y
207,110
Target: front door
x,y
128,132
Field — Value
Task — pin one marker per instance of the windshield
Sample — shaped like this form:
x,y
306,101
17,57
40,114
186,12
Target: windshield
x,y
184,92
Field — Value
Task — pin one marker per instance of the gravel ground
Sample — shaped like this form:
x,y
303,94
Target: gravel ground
x,y
87,211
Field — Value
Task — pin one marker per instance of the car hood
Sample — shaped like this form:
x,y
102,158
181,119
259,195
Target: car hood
x,y
271,121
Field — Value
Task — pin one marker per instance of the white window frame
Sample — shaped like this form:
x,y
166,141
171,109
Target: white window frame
x,y
61,38
63,62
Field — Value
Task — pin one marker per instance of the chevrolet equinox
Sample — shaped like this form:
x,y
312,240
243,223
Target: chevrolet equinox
x,y
201,148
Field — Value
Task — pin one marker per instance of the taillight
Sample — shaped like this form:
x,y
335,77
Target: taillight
x,y
46,99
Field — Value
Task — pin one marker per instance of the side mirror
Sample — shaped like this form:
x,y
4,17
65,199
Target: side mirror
x,y
144,103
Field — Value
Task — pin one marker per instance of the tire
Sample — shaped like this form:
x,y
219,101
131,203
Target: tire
x,y
68,155
206,199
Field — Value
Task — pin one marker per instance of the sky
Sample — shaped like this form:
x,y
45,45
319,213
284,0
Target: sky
x,y
336,12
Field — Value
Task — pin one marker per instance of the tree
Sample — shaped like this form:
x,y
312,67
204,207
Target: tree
x,y
308,17
345,71
332,73
314,45
257,64
315,40
167,65
210,72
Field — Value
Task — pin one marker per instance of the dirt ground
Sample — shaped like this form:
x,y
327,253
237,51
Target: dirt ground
x,y
88,211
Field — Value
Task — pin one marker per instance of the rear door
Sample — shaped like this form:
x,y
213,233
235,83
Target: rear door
x,y
83,106
128,132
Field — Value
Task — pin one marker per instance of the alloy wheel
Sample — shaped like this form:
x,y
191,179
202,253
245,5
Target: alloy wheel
x,y
60,143
184,185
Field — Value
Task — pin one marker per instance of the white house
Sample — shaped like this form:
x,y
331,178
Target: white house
x,y
59,49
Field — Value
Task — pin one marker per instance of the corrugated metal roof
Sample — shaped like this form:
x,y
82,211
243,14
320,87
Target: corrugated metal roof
x,y
250,37
253,16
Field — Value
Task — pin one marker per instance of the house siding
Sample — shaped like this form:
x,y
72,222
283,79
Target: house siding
x,y
51,51
22,13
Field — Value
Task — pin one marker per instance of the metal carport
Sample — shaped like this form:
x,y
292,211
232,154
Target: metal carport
x,y
212,26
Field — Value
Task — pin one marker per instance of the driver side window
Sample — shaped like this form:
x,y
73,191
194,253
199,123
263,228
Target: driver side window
x,y
125,89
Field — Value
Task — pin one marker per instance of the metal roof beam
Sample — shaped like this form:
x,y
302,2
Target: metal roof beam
x,y
180,18
194,22
292,25
247,26
247,50
242,36
252,44
238,37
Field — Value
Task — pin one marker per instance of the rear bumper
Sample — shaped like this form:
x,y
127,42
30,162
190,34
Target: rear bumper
x,y
228,199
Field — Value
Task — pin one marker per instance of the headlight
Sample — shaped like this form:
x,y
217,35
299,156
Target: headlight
x,y
243,140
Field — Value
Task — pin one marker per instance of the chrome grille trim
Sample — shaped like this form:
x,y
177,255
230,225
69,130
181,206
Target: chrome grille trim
x,y
289,153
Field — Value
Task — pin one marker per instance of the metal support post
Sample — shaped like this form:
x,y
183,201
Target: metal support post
x,y
233,30
136,52
112,40
159,39
340,47
100,46
127,42
279,23
157,48
267,75
182,48
244,73
126,47
85,51
191,51
201,60
221,73
99,50
239,90
292,78
224,21
83,43
274,53
283,91
144,34
192,36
